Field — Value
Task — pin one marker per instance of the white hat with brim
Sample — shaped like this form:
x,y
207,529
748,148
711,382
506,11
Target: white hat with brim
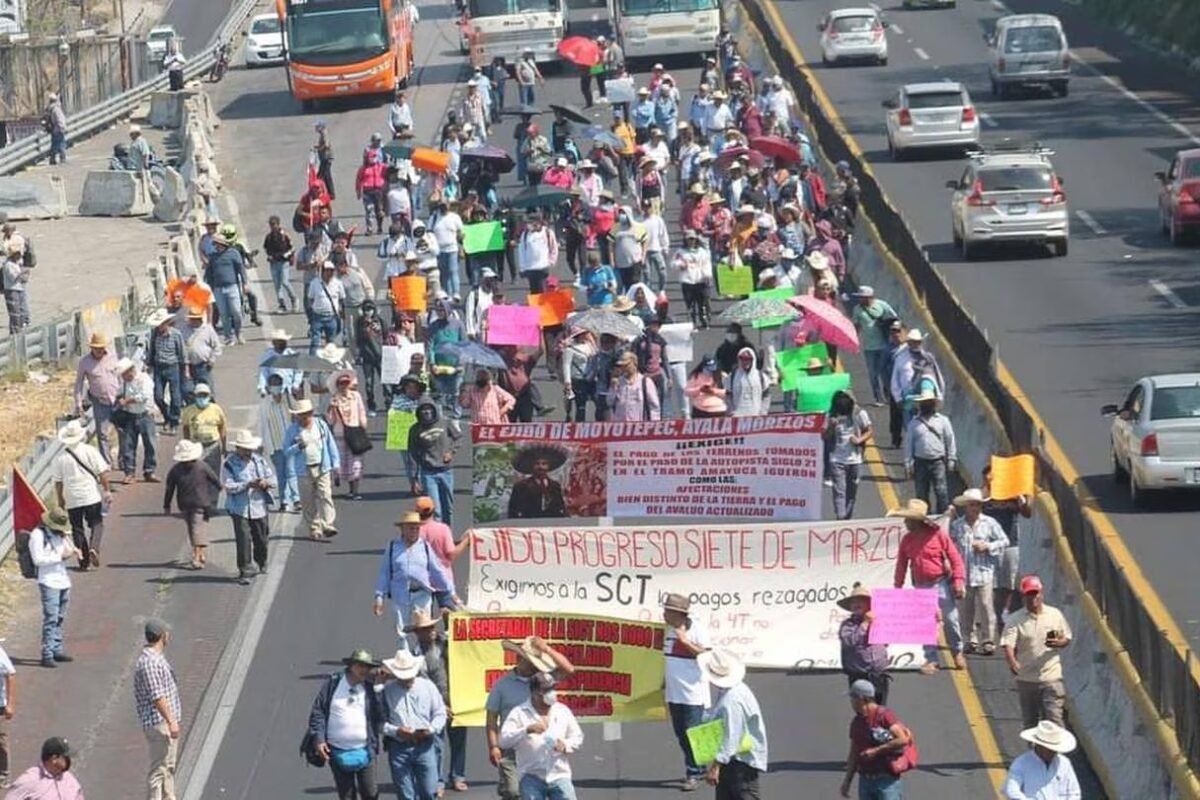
x,y
202,388
926,395
817,260
331,353
247,441
914,509
404,665
721,668
969,496
525,649
72,433
302,407
1051,736
124,365
914,335
159,316
280,335
186,450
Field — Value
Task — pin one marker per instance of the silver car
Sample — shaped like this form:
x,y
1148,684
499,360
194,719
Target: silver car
x,y
1028,50
1155,436
1009,193
925,115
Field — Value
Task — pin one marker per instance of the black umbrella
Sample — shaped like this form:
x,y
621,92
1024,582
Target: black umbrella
x,y
497,157
523,109
540,196
571,112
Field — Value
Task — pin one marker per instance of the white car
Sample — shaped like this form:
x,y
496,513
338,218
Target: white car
x,y
928,115
1156,435
157,41
849,34
264,41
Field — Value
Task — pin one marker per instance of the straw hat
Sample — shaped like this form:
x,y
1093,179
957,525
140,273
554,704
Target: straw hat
x,y
361,656
195,312
304,406
969,496
159,316
677,602
331,353
409,518
857,592
247,441
622,304
1050,736
914,509
914,335
817,260
419,621
721,668
925,395
98,341
814,363
72,433
186,450
525,649
124,365
404,665
56,519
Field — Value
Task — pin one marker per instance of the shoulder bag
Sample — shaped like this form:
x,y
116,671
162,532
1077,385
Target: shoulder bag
x,y
357,440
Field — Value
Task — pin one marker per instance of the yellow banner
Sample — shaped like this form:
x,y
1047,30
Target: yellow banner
x,y
619,667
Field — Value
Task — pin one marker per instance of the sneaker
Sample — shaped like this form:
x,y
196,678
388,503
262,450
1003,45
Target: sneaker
x,y
94,557
827,482
329,533
243,579
63,658
241,339
690,785
262,569
150,477
48,662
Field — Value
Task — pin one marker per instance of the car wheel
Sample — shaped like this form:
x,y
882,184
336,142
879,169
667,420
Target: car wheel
x,y
825,58
1060,247
883,61
307,106
1119,473
1138,497
1174,235
895,152
954,234
1061,88
1162,220
969,251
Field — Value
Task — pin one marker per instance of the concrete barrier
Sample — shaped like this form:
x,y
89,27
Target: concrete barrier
x,y
183,254
171,204
108,193
33,196
166,108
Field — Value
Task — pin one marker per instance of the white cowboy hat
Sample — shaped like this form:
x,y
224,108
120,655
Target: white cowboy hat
x,y
186,450
124,365
72,433
304,406
1051,736
969,496
280,335
914,335
817,260
721,668
926,394
913,509
587,163
525,649
404,665
331,353
247,441
159,316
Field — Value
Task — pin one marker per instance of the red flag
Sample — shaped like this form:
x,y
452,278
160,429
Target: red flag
x,y
27,505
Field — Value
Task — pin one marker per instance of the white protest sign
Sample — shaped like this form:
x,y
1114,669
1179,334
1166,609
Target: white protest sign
x,y
678,336
767,592
620,90
396,362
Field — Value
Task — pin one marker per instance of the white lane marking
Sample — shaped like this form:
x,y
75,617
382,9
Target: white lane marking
x,y
1167,294
1090,221
987,120
1149,108
921,54
897,29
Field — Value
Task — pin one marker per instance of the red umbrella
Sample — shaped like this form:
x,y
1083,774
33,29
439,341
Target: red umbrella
x,y
833,326
580,50
776,147
731,154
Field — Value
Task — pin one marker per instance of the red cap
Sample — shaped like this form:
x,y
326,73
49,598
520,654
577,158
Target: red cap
x,y
1031,584
425,505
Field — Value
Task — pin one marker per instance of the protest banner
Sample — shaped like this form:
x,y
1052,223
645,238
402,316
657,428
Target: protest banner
x,y
678,336
768,592
734,281
762,468
904,616
408,292
705,740
814,393
1012,477
516,325
396,362
618,663
483,237
782,293
398,425
554,306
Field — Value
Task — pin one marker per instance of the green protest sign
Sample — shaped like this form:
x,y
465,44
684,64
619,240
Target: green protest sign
x,y
398,425
734,281
706,739
795,359
784,293
814,393
483,237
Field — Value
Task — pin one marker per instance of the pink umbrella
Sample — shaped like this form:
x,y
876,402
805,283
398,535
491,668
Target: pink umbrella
x,y
834,327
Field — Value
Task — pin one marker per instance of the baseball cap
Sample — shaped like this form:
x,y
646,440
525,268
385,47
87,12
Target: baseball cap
x,y
155,628
55,746
1031,584
425,504
862,688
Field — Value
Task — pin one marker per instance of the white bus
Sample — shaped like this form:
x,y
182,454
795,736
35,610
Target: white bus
x,y
507,28
656,28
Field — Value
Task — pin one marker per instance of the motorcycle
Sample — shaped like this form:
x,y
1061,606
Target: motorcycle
x,y
220,65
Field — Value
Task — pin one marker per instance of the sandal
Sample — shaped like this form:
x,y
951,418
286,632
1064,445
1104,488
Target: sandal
x,y
929,668
460,785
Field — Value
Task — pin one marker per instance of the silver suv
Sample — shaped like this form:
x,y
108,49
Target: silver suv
x,y
1028,50
1009,193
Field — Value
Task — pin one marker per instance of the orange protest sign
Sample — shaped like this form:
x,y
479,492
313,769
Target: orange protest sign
x,y
408,292
1012,477
555,306
194,295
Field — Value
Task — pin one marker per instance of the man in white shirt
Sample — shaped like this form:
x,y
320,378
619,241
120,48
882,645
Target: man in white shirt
x,y
424,244
448,231
542,732
49,548
658,241
344,723
537,252
479,300
687,690
80,475
1044,772
323,302
400,116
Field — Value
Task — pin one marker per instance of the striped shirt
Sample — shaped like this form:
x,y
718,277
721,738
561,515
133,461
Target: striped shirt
x,y
153,679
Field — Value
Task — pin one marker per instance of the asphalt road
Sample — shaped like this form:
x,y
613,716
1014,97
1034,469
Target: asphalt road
x,y
1077,331
322,610
196,20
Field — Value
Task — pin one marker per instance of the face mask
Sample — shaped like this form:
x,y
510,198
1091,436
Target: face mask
x,y
203,401
275,390
624,218
731,337
550,697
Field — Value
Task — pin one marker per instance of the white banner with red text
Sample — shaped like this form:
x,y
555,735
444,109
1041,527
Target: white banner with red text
x,y
759,468
767,592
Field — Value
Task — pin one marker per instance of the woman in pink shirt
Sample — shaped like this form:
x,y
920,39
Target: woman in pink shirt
x,y
347,412
705,392
489,404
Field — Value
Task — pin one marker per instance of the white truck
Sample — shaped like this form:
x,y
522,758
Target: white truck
x,y
12,16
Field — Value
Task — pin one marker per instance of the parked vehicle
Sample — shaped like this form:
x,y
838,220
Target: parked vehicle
x,y
1155,437
1179,196
1028,50
853,34
221,64
264,41
157,42
931,115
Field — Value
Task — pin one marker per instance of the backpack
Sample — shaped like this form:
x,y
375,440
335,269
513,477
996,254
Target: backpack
x,y
908,758
24,556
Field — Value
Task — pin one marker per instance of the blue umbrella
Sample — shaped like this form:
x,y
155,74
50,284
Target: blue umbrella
x,y
473,353
603,136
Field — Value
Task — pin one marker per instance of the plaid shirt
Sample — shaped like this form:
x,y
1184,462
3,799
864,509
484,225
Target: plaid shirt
x,y
153,679
981,567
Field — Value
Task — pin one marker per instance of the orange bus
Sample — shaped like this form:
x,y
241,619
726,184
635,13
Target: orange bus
x,y
346,48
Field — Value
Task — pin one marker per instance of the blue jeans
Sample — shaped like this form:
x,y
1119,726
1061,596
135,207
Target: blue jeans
x,y
168,377
447,387
876,361
439,484
534,788
880,787
682,718
412,600
229,307
58,146
414,769
281,279
321,330
54,611
456,741
525,94
141,427
950,626
200,374
448,273
285,473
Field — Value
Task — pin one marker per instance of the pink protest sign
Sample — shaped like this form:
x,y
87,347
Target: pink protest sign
x,y
517,325
904,616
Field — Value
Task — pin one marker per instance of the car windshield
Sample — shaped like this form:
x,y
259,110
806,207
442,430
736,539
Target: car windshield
x,y
1015,179
1175,402
853,24
501,8
1191,169
636,7
935,100
337,34
267,25
1034,39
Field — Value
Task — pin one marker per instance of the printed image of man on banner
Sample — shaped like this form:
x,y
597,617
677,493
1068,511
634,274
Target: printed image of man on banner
x,y
537,495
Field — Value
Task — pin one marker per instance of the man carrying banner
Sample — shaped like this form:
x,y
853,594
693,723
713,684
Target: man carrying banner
x,y
542,732
536,657
537,495
686,689
736,768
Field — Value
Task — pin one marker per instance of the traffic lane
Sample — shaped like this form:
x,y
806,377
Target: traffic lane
x,y
196,21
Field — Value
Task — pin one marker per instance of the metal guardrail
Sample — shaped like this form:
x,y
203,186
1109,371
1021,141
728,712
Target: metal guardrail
x,y
84,123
